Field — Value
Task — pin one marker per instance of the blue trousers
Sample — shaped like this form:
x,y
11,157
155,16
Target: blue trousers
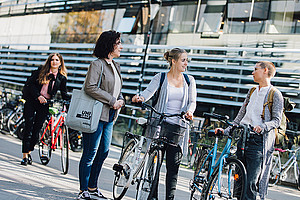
x,y
253,160
95,151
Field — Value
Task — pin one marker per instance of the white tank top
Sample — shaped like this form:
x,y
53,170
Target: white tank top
x,y
174,103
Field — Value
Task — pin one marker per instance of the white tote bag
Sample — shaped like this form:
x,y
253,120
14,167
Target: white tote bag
x,y
84,111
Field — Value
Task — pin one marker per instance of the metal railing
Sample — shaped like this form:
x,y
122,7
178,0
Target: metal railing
x,y
222,74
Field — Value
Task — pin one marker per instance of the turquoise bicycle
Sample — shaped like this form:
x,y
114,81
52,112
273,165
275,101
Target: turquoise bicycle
x,y
224,178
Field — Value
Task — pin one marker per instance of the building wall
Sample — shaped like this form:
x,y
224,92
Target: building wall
x,y
25,29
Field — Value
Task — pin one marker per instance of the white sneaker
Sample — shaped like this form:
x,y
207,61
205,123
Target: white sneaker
x,y
84,195
97,194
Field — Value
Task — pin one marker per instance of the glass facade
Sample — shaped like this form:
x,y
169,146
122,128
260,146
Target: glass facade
x,y
69,23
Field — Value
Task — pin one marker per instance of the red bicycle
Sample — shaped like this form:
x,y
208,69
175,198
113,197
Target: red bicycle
x,y
54,135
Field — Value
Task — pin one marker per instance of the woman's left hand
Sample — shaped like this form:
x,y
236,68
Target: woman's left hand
x,y
257,129
118,104
189,115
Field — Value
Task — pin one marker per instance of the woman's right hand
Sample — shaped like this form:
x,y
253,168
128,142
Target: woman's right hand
x,y
137,99
42,99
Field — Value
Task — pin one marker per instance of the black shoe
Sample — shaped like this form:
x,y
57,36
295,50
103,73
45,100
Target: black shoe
x,y
24,161
29,160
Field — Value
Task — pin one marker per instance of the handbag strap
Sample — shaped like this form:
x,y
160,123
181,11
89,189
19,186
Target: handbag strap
x,y
100,76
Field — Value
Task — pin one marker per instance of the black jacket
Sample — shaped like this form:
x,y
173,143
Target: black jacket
x,y
32,87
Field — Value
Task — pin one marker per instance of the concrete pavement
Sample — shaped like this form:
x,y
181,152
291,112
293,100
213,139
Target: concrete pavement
x,y
40,182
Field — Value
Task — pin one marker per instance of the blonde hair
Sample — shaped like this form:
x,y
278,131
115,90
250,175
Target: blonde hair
x,y
44,72
173,54
269,65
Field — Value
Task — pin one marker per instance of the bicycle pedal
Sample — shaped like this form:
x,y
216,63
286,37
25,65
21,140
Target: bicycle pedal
x,y
117,167
200,179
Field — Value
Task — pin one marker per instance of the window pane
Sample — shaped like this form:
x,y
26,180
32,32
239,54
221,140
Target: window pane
x,y
182,18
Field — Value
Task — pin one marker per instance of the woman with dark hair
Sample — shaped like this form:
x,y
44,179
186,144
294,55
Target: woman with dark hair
x,y
41,86
177,94
96,145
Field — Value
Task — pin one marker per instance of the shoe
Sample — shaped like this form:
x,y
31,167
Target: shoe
x,y
24,161
84,195
96,194
29,159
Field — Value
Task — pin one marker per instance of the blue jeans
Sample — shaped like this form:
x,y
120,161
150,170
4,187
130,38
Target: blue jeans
x,y
253,160
95,151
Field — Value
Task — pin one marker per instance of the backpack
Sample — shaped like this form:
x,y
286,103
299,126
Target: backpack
x,y
288,106
162,78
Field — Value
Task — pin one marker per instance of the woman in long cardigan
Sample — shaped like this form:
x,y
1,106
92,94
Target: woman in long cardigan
x,y
176,95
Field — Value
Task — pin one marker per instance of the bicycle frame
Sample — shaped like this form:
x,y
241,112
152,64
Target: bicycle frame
x,y
138,163
220,162
292,161
53,124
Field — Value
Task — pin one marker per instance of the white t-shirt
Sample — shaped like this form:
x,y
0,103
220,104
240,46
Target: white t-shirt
x,y
117,86
254,108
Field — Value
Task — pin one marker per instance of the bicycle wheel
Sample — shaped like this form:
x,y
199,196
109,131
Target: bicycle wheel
x,y
201,155
298,185
64,148
297,175
121,178
45,144
4,116
13,121
195,194
202,166
20,128
190,154
230,185
149,179
275,171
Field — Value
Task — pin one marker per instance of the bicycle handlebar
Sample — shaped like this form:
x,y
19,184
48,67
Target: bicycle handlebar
x,y
216,116
51,101
163,115
288,150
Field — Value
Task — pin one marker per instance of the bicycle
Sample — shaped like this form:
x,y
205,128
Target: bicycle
x,y
195,135
279,170
133,162
54,135
224,178
8,107
16,119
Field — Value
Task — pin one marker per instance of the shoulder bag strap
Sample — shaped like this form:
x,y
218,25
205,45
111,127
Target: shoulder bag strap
x,y
99,79
269,102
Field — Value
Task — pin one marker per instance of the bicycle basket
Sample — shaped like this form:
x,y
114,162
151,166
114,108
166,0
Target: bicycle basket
x,y
153,128
173,132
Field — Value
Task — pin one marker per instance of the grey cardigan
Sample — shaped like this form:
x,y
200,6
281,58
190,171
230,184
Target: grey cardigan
x,y
271,122
105,91
188,103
